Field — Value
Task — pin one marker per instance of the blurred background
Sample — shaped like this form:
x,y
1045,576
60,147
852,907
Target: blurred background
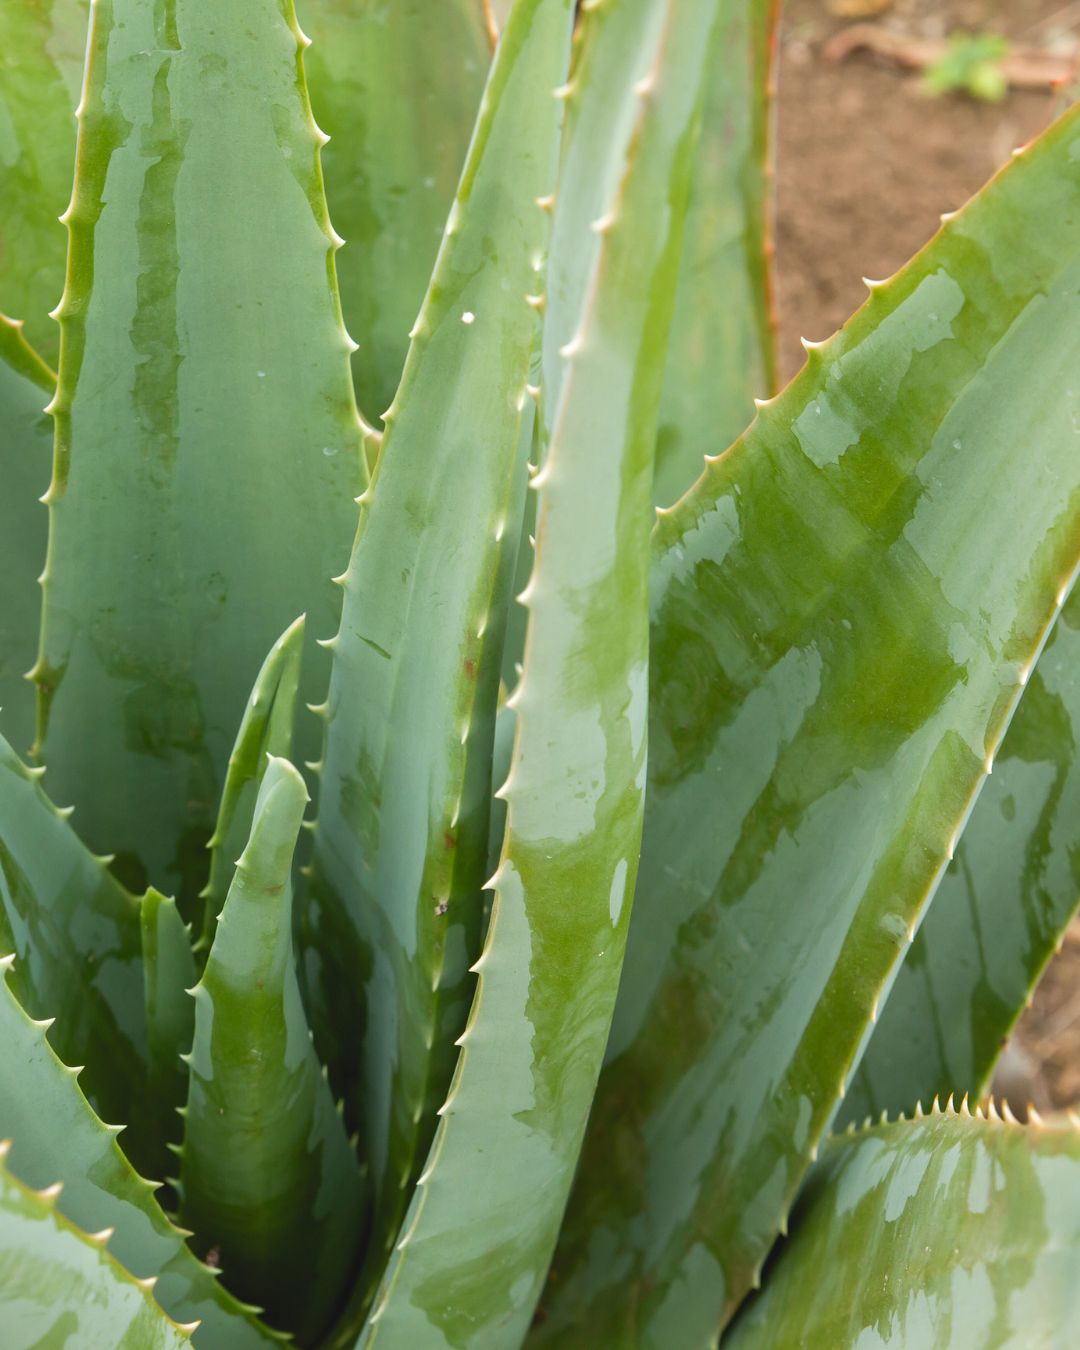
x,y
890,113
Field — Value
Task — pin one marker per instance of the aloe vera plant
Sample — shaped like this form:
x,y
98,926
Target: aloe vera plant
x,y
526,800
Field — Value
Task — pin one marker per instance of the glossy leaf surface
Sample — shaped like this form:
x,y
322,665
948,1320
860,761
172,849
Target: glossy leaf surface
x,y
265,729
267,1176
476,1242
1000,910
168,974
26,385
59,1286
937,1233
208,446
394,919
844,610
57,1137
42,46
75,933
720,357
395,84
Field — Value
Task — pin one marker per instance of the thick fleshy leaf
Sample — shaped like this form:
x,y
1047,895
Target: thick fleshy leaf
x,y
169,974
845,609
267,1176
265,729
720,357
395,84
26,385
937,1233
208,445
75,932
58,1138
471,1259
59,1286
393,921
1000,910
42,46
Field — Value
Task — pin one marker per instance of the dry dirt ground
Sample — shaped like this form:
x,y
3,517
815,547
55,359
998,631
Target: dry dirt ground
x,y
867,162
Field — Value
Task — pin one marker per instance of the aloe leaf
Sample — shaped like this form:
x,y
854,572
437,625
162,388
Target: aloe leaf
x,y
204,387
476,1242
75,932
26,384
1000,910
57,1282
265,729
845,609
397,92
267,1175
57,1137
940,1232
169,975
721,355
44,44
400,854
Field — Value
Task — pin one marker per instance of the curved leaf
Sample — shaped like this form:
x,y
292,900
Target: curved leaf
x,y
1001,908
938,1233
169,974
57,1137
208,445
485,1214
267,1176
394,916
57,1283
25,445
396,89
845,609
75,932
43,45
721,357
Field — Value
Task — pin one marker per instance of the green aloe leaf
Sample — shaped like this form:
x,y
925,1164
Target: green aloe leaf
x,y
394,916
75,932
42,46
169,974
26,385
396,89
1000,910
267,1175
204,387
476,1242
59,1285
265,729
57,1137
845,609
944,1232
721,355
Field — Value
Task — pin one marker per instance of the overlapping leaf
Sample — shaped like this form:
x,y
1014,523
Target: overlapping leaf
x,y
844,611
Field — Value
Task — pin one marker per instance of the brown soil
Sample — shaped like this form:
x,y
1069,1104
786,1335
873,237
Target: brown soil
x,y
867,163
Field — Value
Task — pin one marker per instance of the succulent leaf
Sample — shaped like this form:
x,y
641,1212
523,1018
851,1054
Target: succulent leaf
x,y
475,1245
845,609
169,974
45,44
267,1175
394,914
1000,910
265,729
75,932
396,88
941,1232
59,1285
57,1137
26,385
204,415
721,355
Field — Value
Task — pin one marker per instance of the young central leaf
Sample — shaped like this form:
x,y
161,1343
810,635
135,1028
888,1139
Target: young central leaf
x,y
207,448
